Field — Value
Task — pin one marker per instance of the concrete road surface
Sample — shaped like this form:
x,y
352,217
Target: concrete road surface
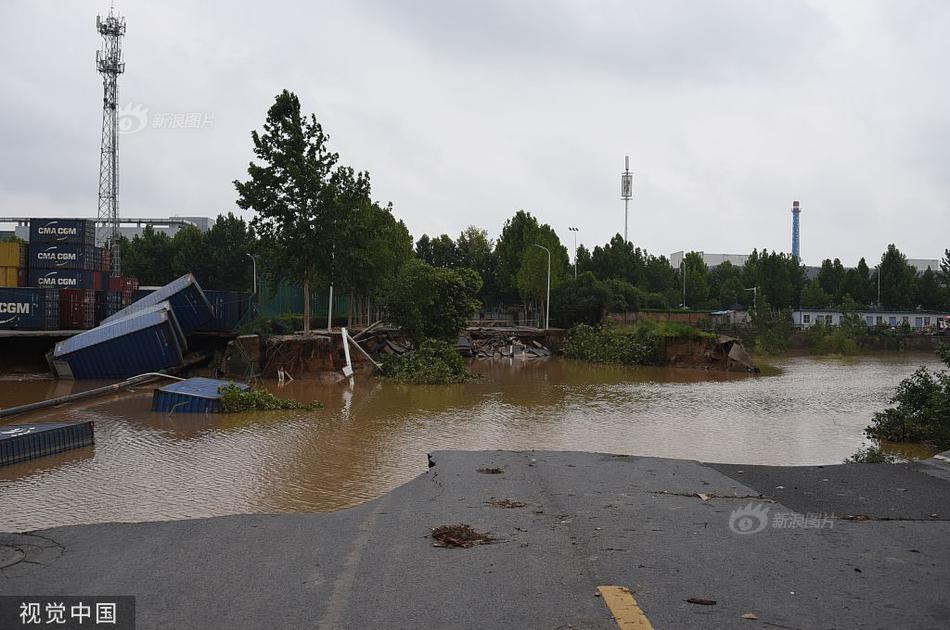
x,y
602,541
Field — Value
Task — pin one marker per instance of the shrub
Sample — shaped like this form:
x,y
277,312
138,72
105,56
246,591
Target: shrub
x,y
921,411
435,362
873,455
236,400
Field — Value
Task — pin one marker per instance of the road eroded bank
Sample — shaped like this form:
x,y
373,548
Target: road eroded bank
x,y
809,547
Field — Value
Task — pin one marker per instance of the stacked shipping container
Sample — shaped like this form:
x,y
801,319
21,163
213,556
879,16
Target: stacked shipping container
x,y
12,264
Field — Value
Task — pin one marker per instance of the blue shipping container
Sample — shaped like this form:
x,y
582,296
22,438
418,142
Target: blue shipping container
x,y
20,442
28,308
79,231
61,256
145,341
61,278
195,395
227,307
187,299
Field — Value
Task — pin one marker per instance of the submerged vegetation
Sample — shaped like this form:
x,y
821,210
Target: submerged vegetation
x,y
921,409
639,344
873,455
435,362
236,400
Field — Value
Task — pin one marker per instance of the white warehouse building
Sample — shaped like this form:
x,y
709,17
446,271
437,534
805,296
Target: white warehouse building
x,y
808,317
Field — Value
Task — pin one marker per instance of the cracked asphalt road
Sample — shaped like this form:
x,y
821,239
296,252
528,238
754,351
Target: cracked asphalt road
x,y
588,520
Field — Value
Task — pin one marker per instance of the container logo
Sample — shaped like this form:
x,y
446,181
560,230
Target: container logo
x,y
53,280
13,308
60,232
59,258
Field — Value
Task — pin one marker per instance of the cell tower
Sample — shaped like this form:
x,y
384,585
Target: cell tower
x,y
796,242
626,192
110,65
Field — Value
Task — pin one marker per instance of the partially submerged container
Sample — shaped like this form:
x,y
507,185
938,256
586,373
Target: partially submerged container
x,y
148,340
22,442
195,395
187,300
29,308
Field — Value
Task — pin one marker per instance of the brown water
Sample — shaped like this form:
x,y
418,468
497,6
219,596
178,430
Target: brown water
x,y
375,435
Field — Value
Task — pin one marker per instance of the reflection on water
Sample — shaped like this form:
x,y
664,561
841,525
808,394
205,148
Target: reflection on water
x,y
375,435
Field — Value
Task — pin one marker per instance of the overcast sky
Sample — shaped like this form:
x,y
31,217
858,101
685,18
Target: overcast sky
x,y
464,112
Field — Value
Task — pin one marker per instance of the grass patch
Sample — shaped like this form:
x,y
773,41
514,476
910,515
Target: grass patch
x,y
628,344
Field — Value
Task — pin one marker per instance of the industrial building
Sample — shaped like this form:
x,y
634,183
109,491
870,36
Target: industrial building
x,y
808,317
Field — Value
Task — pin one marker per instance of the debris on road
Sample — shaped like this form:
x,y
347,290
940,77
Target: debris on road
x,y
505,503
702,601
461,535
490,471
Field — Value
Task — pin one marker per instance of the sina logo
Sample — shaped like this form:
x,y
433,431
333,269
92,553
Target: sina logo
x,y
750,519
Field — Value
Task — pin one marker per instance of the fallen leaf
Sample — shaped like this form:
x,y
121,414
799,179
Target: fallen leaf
x,y
702,601
750,616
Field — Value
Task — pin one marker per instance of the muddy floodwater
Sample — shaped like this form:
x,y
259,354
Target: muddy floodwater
x,y
375,435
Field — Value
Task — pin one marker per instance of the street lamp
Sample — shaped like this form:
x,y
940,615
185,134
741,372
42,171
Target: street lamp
x,y
574,230
253,272
755,298
683,273
547,302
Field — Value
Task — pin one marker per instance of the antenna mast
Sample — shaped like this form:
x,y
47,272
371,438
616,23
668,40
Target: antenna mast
x,y
626,192
110,65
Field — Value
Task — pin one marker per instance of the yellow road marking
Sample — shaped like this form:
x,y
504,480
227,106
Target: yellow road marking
x,y
624,608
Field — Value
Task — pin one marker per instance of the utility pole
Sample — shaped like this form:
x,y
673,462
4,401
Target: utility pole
x,y
110,64
755,298
547,302
683,272
626,192
574,230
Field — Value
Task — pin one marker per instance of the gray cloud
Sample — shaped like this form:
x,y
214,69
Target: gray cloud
x,y
466,112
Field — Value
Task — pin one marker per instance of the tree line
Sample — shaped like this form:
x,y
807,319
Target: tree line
x,y
316,225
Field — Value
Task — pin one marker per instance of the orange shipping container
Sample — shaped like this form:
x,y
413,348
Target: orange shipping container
x,y
12,254
9,276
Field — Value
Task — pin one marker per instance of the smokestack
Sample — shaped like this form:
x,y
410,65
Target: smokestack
x,y
796,241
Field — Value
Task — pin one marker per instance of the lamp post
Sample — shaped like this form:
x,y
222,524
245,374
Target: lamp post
x,y
755,298
879,286
253,273
683,272
547,301
574,230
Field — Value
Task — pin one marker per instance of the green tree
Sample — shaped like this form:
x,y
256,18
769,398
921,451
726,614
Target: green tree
x,y
517,235
897,280
697,287
375,248
229,240
431,302
815,296
299,195
928,290
476,251
831,279
532,277
148,257
189,255
732,292
580,301
583,260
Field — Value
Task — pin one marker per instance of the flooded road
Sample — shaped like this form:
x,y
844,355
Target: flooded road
x,y
375,435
